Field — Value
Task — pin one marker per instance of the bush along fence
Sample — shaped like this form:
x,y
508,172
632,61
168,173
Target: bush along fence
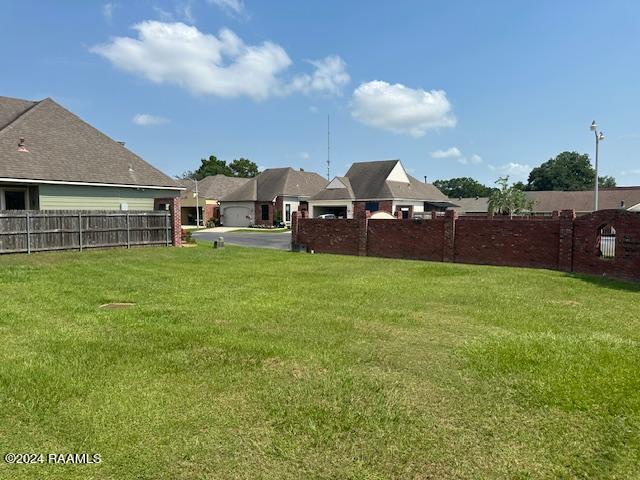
x,y
606,242
43,230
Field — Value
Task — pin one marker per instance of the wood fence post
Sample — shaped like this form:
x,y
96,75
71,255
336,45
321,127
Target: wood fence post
x,y
80,229
128,232
28,232
167,226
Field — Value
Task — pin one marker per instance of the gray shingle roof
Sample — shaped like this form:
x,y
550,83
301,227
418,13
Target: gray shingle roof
x,y
213,187
368,180
62,147
549,201
275,182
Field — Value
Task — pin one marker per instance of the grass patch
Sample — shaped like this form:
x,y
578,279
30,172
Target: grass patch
x,y
251,363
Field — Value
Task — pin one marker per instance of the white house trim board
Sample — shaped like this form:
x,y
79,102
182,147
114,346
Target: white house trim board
x,y
88,184
398,174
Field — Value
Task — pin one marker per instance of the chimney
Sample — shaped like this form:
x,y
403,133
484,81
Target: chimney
x,y
425,179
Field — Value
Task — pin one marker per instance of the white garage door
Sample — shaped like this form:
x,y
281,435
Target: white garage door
x,y
236,217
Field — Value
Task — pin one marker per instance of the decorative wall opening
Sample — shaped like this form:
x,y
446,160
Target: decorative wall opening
x,y
607,242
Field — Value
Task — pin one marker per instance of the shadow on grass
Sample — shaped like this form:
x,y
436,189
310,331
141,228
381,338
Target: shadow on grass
x,y
607,282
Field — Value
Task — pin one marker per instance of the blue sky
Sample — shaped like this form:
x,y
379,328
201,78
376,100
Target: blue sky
x,y
456,88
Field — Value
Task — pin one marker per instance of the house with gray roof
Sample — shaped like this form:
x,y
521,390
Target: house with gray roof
x,y
546,202
52,160
378,186
270,197
209,192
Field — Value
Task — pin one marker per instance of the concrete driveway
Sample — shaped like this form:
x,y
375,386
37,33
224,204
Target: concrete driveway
x,y
280,241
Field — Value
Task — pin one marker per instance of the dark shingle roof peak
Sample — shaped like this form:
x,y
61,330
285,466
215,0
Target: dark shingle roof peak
x,y
62,147
281,181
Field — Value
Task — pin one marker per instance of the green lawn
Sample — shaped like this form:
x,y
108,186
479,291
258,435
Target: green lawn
x,y
249,363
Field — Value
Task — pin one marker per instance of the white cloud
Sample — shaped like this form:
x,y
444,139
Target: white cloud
x,y
178,54
400,109
234,8
517,171
452,152
474,159
205,64
329,76
146,119
107,11
630,172
455,153
304,155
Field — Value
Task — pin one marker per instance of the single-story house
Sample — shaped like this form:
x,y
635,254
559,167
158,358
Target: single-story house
x,y
270,197
383,186
546,202
210,190
52,160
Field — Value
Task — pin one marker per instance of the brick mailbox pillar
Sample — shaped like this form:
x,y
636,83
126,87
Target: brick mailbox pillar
x,y
448,253
565,250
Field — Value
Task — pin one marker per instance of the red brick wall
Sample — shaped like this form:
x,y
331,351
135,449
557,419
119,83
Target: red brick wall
x,y
419,239
586,259
210,211
530,242
175,209
258,213
383,206
560,242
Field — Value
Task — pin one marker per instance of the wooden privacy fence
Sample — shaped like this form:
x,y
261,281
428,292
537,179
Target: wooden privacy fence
x,y
29,231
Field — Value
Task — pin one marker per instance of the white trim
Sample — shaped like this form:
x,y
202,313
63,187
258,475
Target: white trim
x,y
87,184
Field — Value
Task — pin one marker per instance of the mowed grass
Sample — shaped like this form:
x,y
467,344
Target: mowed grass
x,y
248,363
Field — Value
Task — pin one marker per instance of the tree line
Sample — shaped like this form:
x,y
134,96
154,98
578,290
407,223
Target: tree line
x,y
568,171
240,167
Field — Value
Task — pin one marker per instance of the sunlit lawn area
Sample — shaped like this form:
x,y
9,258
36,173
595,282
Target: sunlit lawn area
x,y
250,363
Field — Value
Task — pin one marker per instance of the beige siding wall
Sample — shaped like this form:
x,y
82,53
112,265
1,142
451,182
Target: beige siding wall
x,y
76,197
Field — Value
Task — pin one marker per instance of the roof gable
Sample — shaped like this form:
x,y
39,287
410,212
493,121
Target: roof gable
x,y
62,147
275,182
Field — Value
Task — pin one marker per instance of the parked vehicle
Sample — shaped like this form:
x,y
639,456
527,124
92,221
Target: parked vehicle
x,y
327,216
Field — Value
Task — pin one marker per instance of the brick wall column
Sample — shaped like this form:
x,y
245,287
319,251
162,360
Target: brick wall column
x,y
448,250
565,249
175,205
363,226
295,227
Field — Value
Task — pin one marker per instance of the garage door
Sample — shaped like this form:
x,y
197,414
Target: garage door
x,y
236,217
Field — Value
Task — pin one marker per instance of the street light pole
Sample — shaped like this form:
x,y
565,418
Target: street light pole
x,y
197,204
599,138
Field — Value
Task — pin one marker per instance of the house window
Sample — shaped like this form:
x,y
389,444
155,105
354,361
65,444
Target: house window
x,y
607,242
264,212
372,206
287,212
15,200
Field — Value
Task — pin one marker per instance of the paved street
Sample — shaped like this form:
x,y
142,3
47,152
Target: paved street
x,y
281,241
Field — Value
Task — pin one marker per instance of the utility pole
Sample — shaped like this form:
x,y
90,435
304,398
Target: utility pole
x,y
328,148
599,138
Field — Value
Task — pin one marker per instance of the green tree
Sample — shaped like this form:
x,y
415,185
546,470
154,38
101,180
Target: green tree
x,y
462,187
212,166
243,167
569,171
508,199
607,181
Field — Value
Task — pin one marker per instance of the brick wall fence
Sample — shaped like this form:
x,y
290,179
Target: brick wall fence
x,y
561,242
